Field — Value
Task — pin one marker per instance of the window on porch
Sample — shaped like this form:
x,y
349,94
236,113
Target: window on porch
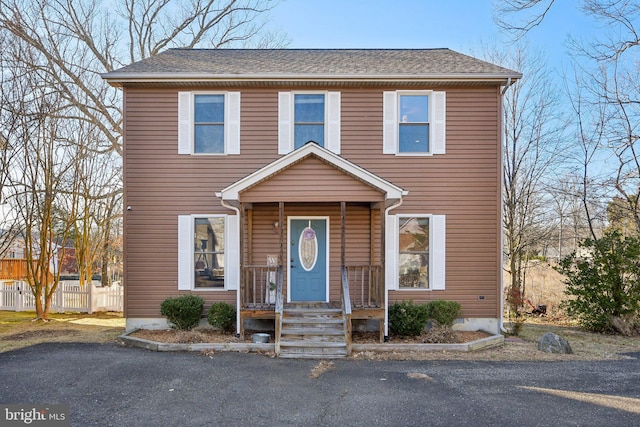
x,y
209,252
413,259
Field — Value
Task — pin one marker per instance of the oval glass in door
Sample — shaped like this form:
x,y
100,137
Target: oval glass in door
x,y
308,248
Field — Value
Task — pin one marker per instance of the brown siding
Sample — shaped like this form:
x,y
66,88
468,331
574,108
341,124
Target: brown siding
x,y
462,184
314,180
266,239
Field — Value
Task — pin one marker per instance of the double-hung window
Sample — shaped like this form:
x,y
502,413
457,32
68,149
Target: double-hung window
x,y
208,252
414,122
209,123
308,116
309,113
415,251
413,127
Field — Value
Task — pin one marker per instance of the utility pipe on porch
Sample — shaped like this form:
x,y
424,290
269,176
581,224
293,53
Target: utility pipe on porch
x,y
386,287
237,211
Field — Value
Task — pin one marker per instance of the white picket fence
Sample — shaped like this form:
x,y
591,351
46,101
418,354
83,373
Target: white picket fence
x,y
70,296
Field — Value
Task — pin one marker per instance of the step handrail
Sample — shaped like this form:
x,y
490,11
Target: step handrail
x,y
346,308
278,309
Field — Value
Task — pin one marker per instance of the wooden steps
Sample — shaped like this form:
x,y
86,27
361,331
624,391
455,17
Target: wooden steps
x,y
313,333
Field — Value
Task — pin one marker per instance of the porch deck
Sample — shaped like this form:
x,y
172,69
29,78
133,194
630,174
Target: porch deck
x,y
363,301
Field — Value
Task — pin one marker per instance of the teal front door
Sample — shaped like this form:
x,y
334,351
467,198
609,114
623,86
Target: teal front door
x,y
308,259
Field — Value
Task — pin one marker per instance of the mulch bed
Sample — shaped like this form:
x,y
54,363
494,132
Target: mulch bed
x,y
208,335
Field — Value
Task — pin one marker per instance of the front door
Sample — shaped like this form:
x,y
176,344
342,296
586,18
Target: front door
x,y
308,253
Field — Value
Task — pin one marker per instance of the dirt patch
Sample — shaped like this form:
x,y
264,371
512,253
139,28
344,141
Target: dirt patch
x,y
40,334
209,335
322,367
432,336
194,336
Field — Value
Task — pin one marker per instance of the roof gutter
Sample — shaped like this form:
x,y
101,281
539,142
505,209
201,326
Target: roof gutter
x,y
118,79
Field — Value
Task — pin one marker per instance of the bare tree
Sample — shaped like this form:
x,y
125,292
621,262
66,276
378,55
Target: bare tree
x,y
608,63
98,194
8,225
67,44
531,148
530,14
79,40
43,177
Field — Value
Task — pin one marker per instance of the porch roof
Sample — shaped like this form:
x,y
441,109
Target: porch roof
x,y
374,188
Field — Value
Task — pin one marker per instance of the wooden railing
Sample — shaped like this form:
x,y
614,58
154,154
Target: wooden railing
x,y
366,285
279,309
346,308
13,269
259,289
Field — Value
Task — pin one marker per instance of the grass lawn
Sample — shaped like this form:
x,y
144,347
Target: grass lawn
x,y
19,329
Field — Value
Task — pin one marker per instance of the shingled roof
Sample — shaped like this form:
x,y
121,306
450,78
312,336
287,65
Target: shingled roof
x,y
279,64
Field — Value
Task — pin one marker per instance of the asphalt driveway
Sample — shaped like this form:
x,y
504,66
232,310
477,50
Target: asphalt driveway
x,y
112,385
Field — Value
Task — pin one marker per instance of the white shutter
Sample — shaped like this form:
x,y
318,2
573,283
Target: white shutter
x,y
438,122
232,122
232,253
285,121
391,252
438,252
333,122
185,253
390,123
185,122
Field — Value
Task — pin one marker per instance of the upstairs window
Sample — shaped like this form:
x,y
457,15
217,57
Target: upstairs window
x,y
308,119
413,128
308,116
209,123
414,123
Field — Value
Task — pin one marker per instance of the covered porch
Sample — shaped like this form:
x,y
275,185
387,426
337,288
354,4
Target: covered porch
x,y
312,249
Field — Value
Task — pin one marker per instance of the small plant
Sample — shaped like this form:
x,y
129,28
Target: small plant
x,y
407,319
222,316
183,312
443,312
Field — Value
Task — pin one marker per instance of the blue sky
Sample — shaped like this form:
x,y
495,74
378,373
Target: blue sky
x,y
461,25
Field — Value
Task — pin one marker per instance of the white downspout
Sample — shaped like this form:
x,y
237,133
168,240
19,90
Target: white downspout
x,y
237,211
386,288
501,327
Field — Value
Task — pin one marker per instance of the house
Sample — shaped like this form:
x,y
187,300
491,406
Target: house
x,y
343,179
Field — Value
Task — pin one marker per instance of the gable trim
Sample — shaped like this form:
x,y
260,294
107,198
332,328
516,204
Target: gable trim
x,y
233,191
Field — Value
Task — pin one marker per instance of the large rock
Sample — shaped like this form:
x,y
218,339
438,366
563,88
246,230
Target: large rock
x,y
552,343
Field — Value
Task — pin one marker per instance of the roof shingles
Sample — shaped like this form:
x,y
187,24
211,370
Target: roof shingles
x,y
310,63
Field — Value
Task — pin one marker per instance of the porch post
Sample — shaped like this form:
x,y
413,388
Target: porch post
x,y
282,231
250,237
384,324
343,216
